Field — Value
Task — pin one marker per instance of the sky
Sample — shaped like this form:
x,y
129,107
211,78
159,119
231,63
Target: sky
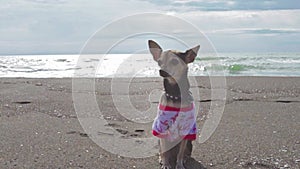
x,y
64,26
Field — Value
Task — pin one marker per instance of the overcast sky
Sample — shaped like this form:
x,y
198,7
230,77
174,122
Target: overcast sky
x,y
63,26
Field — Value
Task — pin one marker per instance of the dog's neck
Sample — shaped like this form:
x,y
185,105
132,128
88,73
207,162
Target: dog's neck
x,y
178,92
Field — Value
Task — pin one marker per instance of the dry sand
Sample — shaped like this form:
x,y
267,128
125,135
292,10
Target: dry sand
x,y
260,127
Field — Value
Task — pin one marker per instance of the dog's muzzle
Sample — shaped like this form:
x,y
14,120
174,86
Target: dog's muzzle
x,y
163,73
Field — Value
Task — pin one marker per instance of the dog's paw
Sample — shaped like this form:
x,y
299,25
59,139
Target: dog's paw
x,y
164,166
186,158
180,166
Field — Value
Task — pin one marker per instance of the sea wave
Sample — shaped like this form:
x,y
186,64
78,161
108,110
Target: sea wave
x,y
125,65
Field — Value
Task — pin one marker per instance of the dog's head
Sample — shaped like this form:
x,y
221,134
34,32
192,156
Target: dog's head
x,y
173,64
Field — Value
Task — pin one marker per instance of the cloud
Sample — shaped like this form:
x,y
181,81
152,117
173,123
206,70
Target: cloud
x,y
48,25
256,31
52,2
61,26
214,21
260,30
226,5
271,31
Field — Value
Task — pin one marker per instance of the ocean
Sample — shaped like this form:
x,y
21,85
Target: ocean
x,y
142,65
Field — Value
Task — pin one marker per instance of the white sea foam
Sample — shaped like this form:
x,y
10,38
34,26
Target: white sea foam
x,y
142,65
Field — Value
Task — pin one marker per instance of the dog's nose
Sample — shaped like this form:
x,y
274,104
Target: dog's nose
x,y
163,73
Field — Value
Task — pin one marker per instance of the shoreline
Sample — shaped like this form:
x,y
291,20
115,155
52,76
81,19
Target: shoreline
x,y
202,76
260,126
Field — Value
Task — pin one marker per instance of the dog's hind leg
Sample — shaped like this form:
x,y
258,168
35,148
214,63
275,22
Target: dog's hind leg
x,y
181,153
164,155
188,151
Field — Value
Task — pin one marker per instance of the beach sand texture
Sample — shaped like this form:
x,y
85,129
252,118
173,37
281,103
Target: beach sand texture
x,y
260,126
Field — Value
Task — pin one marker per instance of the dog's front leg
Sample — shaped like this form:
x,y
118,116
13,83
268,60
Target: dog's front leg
x,y
164,155
180,156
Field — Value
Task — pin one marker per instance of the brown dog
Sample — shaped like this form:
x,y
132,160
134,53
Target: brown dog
x,y
175,123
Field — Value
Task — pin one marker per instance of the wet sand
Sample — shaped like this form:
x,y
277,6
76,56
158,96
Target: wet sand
x,y
39,128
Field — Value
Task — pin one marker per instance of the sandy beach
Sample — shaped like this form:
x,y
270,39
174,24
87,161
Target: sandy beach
x,y
39,128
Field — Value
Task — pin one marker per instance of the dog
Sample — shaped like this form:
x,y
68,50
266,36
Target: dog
x,y
175,123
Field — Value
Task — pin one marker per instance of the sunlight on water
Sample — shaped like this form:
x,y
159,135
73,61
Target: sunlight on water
x,y
142,65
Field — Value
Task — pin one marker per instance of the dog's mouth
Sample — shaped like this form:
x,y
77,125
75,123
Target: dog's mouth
x,y
163,73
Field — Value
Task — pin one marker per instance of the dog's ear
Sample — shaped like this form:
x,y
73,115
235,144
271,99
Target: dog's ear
x,y
155,49
191,54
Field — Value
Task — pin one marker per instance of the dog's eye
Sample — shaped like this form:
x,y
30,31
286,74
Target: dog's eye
x,y
174,61
159,62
